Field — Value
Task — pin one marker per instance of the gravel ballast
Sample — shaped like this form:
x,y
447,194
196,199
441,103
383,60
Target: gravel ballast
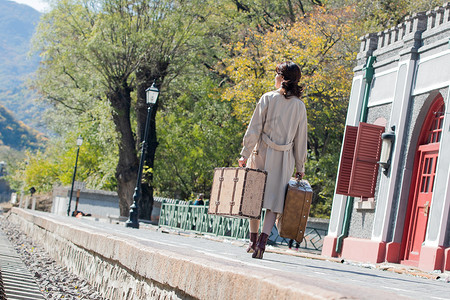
x,y
54,281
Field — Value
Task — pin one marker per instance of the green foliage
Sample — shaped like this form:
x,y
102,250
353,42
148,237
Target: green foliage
x,y
106,51
268,14
54,166
196,134
12,158
378,15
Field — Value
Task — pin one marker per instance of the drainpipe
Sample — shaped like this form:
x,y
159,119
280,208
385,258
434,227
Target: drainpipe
x,y
368,76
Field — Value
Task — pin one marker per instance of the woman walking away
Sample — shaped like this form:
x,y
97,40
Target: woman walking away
x,y
275,141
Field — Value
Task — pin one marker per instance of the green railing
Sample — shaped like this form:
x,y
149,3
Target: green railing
x,y
194,218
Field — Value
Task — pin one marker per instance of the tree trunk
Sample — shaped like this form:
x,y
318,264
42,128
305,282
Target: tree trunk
x,y
127,166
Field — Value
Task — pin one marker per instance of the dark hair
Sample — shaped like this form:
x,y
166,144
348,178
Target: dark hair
x,y
291,76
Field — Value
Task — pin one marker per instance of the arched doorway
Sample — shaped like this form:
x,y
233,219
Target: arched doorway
x,y
422,187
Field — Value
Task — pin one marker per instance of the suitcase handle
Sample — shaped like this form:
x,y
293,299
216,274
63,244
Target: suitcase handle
x,y
300,182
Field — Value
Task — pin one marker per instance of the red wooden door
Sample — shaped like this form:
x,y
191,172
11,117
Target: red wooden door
x,y
424,192
422,188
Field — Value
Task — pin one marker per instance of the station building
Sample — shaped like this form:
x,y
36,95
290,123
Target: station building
x,y
392,196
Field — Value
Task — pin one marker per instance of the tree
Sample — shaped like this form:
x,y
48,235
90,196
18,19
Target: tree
x,y
377,15
197,134
270,13
107,50
82,63
166,59
197,130
54,166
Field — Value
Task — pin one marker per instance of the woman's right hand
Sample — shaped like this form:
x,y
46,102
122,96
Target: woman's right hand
x,y
300,175
242,162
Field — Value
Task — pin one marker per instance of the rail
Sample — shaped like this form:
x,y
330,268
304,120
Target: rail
x,y
16,282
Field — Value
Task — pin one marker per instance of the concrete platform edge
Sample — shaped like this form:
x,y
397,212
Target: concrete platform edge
x,y
126,269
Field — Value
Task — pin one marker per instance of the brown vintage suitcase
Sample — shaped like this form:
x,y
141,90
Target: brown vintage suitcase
x,y
292,223
237,192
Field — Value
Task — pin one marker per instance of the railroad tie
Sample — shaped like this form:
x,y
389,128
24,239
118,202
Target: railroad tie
x,y
16,282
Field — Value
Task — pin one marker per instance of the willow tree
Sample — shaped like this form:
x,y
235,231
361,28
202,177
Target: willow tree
x,y
111,50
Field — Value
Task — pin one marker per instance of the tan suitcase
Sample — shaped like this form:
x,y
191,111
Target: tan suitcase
x,y
293,221
237,192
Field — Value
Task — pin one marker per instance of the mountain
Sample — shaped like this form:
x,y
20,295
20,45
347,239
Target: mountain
x,y
17,24
15,134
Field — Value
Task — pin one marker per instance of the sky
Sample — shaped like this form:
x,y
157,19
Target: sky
x,y
39,5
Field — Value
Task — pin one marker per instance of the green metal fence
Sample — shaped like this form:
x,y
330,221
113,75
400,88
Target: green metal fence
x,y
185,216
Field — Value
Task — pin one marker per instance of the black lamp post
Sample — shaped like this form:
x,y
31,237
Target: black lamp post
x,y
151,94
79,143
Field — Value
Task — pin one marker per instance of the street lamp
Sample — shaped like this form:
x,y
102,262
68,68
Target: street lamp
x,y
151,94
79,143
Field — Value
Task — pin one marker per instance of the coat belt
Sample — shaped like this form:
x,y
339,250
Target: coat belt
x,y
275,146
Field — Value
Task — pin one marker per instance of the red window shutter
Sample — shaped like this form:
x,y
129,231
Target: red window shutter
x,y
345,168
365,167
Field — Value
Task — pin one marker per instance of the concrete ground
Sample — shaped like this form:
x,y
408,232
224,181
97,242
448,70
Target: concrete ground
x,y
309,275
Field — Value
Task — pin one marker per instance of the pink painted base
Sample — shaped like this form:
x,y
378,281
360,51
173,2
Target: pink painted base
x,y
393,252
329,246
432,258
363,250
358,249
447,259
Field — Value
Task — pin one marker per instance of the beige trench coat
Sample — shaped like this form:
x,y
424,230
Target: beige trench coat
x,y
278,134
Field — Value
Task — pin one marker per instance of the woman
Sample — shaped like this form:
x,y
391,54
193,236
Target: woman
x,y
277,138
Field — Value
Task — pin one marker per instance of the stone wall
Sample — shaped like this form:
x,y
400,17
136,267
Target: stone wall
x,y
112,278
95,202
124,267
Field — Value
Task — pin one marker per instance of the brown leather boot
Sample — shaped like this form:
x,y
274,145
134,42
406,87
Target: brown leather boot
x,y
260,246
252,243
